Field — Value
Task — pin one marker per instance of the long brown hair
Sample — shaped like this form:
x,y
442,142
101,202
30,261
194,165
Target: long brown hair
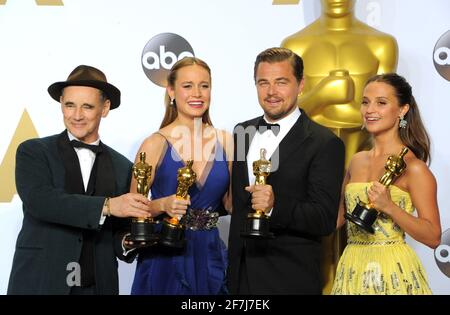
x,y
414,135
171,109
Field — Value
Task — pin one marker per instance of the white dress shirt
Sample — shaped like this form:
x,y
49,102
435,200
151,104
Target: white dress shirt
x,y
86,158
269,141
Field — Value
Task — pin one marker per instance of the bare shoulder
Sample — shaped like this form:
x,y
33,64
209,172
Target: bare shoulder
x,y
419,177
154,141
417,168
361,155
153,146
360,158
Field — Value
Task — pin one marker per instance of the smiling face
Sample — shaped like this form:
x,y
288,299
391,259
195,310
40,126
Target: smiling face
x,y
277,89
191,91
83,107
380,108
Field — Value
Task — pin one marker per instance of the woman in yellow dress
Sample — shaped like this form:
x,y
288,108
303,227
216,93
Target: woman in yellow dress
x,y
382,263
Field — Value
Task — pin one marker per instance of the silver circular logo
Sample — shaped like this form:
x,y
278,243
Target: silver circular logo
x,y
441,56
442,253
160,54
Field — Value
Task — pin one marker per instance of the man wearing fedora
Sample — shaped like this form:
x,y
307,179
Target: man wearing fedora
x,y
74,190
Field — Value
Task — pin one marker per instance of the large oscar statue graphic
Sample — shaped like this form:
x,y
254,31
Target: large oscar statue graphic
x,y
257,224
340,53
142,229
172,231
364,215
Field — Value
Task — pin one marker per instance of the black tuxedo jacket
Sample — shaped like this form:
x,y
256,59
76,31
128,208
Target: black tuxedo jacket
x,y
51,237
306,186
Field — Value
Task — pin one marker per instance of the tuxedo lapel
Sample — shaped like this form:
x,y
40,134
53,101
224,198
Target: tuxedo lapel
x,y
243,136
105,184
249,135
290,143
73,180
101,183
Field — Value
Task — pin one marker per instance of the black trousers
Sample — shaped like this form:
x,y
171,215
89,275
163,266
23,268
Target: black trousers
x,y
243,288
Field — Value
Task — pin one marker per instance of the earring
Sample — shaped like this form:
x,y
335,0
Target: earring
x,y
402,123
172,102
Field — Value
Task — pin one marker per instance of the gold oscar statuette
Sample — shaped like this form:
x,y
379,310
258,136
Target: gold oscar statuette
x,y
142,229
257,224
340,53
172,231
364,215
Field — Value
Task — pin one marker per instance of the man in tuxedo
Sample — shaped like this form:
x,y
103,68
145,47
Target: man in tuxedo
x,y
302,193
74,190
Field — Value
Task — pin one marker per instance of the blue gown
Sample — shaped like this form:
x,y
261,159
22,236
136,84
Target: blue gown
x,y
200,267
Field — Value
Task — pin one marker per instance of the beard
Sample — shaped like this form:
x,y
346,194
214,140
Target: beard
x,y
275,116
280,114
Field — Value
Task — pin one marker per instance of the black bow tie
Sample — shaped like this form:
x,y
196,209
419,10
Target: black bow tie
x,y
78,144
263,125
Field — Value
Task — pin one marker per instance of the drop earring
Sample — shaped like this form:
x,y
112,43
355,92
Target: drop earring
x,y
402,123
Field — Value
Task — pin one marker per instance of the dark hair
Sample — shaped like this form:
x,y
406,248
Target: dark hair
x,y
103,96
414,135
278,54
171,110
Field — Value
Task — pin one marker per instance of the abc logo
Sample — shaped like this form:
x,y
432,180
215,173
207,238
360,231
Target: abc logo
x,y
161,53
442,254
441,56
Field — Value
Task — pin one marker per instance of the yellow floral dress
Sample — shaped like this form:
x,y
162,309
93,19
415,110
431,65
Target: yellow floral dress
x,y
380,263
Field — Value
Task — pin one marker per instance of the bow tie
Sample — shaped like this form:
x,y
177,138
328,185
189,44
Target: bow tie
x,y
78,144
263,126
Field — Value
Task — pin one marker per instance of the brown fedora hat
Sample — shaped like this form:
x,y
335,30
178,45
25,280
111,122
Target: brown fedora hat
x,y
87,76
